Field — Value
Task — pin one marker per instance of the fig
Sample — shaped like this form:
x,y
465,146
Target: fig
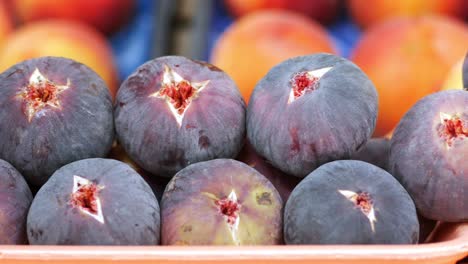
x,y
311,110
350,202
15,199
173,111
428,155
54,111
94,202
220,202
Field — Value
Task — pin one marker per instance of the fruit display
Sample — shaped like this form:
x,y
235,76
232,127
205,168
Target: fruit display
x,y
310,110
54,111
233,131
109,202
255,43
365,197
167,98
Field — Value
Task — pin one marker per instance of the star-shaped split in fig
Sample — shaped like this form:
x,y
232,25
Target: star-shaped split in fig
x,y
364,202
229,207
39,93
305,82
178,92
85,197
452,127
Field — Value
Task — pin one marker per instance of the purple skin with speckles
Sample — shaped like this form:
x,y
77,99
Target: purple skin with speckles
x,y
327,123
431,163
212,126
15,199
320,209
130,211
79,126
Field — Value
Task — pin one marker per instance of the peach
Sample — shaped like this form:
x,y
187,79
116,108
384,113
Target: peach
x,y
104,15
408,58
6,23
62,38
454,79
258,41
386,9
324,11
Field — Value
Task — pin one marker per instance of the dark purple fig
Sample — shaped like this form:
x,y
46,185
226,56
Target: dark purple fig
x,y
428,155
53,111
310,110
350,202
94,202
173,111
15,199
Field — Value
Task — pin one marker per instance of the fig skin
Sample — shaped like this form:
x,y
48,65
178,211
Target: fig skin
x,y
326,124
434,173
15,199
375,151
157,183
81,127
317,213
213,125
130,210
283,183
190,215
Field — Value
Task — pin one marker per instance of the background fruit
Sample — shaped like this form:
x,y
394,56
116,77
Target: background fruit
x,y
105,15
350,202
53,111
324,11
258,41
408,58
428,155
6,23
15,199
61,39
369,13
310,110
454,79
221,202
94,202
173,111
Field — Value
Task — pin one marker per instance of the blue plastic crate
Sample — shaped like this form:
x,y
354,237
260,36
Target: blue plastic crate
x,y
133,44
